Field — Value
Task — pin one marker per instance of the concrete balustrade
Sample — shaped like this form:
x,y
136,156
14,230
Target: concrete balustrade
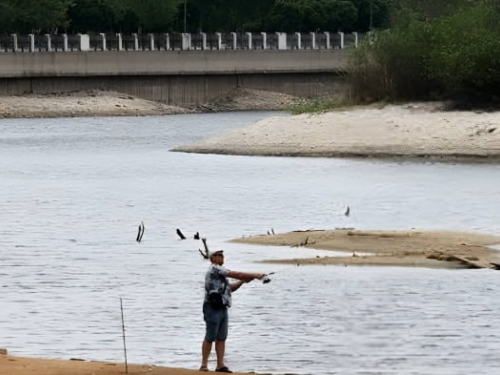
x,y
183,42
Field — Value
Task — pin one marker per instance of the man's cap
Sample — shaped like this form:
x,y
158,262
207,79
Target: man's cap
x,y
216,252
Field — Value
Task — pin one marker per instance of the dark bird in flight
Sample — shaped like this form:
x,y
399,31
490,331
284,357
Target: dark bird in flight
x,y
348,211
179,233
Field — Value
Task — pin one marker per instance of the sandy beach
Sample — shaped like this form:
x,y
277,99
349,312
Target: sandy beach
x,y
11,365
423,131
416,130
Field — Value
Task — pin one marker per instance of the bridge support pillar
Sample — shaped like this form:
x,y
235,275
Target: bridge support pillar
x,y
167,41
152,42
219,40
32,42
84,40
249,40
65,42
103,40
186,41
298,36
313,40
281,41
136,41
235,42
48,38
328,42
203,41
119,42
14,42
264,40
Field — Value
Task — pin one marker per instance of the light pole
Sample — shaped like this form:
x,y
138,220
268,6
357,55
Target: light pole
x,y
185,16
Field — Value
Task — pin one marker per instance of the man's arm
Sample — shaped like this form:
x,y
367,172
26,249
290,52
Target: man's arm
x,y
246,277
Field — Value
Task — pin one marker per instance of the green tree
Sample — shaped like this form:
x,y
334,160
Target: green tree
x,y
467,61
144,15
92,15
7,15
41,15
312,15
447,54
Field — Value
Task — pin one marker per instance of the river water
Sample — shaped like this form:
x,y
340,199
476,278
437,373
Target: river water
x,y
74,191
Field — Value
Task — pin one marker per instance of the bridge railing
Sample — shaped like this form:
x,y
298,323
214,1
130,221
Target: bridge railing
x,y
177,41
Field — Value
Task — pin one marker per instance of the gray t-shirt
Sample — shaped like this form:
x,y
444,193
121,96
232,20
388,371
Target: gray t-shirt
x,y
216,280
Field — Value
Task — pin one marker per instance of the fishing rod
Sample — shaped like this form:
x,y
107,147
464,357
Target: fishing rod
x,y
206,255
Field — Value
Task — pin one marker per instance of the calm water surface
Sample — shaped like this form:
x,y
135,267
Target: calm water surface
x,y
73,192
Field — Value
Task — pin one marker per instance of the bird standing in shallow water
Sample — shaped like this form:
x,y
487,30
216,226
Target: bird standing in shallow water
x,y
348,211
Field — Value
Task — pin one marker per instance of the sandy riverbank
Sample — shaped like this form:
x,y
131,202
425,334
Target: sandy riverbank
x,y
417,130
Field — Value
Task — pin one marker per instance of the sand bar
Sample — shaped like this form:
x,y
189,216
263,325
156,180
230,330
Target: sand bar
x,y
416,130
432,249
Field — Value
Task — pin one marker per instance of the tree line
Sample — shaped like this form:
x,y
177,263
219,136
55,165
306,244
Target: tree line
x,y
434,49
149,16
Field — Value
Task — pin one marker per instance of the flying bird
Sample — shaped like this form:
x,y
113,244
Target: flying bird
x,y
179,233
348,211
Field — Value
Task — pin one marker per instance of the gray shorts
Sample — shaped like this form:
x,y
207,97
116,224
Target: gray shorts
x,y
216,321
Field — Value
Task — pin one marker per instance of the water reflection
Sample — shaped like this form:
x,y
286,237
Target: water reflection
x,y
75,190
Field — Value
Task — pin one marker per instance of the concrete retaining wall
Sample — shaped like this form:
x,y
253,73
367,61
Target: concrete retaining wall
x,y
189,90
177,78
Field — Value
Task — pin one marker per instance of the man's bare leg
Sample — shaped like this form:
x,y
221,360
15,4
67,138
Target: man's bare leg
x,y
220,349
206,348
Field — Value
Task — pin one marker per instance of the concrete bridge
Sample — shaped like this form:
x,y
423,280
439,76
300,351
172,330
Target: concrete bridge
x,y
179,69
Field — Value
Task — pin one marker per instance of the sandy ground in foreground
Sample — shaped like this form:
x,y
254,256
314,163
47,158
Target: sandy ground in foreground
x,y
10,365
417,130
430,249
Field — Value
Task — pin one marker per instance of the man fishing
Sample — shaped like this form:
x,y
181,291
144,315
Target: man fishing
x,y
215,305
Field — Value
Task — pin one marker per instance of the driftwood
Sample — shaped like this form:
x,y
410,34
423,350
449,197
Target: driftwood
x,y
179,233
140,232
